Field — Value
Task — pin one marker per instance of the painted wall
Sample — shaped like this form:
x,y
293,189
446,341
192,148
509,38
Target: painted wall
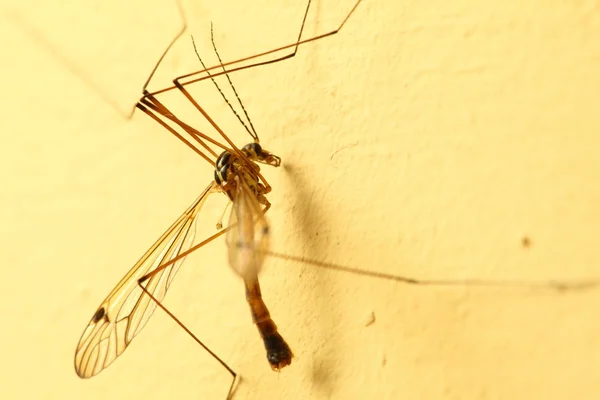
x,y
436,140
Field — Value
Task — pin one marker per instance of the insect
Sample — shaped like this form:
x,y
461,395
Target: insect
x,y
128,307
143,279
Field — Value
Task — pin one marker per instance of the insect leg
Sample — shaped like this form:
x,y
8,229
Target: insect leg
x,y
141,281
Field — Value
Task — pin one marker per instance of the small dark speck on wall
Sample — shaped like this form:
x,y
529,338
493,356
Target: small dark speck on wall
x,y
525,242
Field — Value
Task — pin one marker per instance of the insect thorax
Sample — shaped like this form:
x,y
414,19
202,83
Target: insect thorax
x,y
229,165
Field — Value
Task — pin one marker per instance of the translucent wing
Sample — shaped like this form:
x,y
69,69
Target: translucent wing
x,y
248,239
125,311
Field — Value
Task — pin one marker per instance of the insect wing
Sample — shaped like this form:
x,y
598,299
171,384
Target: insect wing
x,y
248,236
125,311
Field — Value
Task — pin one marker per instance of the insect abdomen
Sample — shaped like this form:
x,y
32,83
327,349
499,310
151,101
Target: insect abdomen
x,y
279,353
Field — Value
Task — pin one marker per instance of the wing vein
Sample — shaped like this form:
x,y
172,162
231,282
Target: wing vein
x,y
104,339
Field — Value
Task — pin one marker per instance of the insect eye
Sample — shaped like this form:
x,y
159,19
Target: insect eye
x,y
252,150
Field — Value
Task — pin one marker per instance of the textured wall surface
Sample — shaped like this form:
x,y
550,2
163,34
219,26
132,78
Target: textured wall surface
x,y
434,140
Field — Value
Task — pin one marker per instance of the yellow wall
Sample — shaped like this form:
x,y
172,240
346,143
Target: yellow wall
x,y
427,139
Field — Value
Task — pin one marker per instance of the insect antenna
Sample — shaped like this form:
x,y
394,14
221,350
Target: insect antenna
x,y
251,133
212,40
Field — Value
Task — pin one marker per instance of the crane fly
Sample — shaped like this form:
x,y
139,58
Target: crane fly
x,y
128,307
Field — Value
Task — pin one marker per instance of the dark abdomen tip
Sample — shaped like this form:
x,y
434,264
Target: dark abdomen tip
x,y
279,354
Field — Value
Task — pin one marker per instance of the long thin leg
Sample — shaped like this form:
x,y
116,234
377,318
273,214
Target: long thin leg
x,y
234,375
171,44
157,106
248,58
174,132
181,324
